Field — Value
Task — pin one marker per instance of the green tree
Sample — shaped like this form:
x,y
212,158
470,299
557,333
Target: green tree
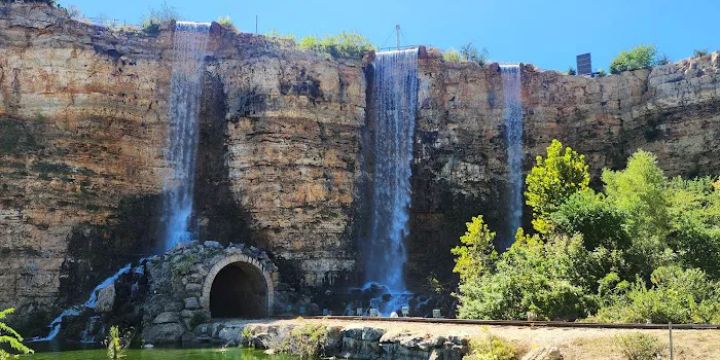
x,y
589,214
640,57
552,180
226,21
11,338
694,209
477,254
571,71
639,192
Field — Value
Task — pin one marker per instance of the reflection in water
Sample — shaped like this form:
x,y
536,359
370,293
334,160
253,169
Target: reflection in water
x,y
166,354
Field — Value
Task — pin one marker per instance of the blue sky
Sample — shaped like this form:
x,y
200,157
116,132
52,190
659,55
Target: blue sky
x,y
547,33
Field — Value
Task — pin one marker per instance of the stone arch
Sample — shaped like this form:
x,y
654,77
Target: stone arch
x,y
243,262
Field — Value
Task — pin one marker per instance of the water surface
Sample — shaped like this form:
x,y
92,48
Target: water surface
x,y
164,354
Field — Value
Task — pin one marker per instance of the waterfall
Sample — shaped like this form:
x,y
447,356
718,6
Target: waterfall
x,y
189,43
393,106
513,118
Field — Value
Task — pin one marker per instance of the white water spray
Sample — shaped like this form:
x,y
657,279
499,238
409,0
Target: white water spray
x,y
189,44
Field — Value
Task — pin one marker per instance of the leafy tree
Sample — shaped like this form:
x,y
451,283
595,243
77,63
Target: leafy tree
x,y
452,56
694,209
639,192
571,71
11,338
601,73
640,57
156,17
476,255
700,52
591,215
552,180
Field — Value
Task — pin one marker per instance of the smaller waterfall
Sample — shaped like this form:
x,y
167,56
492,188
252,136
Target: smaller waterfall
x,y
76,310
393,107
513,118
189,44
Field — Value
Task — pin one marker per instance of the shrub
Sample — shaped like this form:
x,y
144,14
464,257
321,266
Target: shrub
x,y
571,71
452,56
226,22
639,346
344,45
10,338
491,347
640,57
601,73
114,344
306,341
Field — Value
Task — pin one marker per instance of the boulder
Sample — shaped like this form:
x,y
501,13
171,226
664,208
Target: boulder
x,y
166,317
105,299
164,334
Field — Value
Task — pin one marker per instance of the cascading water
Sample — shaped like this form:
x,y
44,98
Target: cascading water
x,y
89,304
513,117
189,44
393,106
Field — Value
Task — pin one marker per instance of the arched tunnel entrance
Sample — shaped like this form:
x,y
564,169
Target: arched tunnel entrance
x,y
239,290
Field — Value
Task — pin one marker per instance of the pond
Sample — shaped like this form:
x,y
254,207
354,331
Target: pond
x,y
164,354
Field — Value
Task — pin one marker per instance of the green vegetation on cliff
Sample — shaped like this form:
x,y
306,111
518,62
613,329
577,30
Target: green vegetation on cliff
x,y
640,57
645,248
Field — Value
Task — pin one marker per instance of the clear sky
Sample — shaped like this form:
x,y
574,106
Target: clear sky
x,y
547,33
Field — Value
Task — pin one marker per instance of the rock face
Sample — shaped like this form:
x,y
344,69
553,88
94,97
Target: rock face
x,y
83,124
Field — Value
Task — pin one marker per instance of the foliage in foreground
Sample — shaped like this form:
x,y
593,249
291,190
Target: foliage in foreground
x,y
305,341
116,343
645,248
640,57
11,339
639,346
491,347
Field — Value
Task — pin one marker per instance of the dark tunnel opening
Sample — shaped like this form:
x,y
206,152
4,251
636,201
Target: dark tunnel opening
x,y
239,291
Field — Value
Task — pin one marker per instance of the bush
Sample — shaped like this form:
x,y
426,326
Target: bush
x,y
601,73
10,338
226,22
344,45
452,56
639,346
640,57
306,341
571,71
476,254
491,348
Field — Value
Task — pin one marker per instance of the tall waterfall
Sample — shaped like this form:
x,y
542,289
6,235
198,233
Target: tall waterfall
x,y
189,44
513,117
393,106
